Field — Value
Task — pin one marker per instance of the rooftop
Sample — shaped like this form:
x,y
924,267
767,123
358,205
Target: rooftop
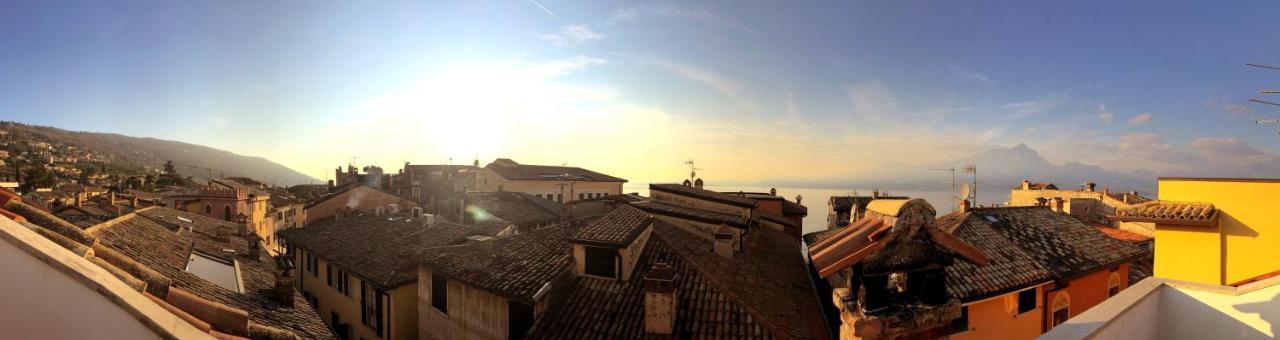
x,y
515,207
515,267
379,249
511,170
1191,213
763,292
615,229
690,191
680,211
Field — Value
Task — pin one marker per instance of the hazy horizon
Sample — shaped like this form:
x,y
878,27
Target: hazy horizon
x,y
753,92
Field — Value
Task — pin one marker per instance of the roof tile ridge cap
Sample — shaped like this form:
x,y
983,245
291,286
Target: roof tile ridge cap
x,y
93,230
723,287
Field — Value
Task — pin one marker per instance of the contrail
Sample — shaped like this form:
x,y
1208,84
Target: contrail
x,y
544,9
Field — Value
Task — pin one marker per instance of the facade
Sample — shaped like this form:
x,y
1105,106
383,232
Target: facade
x,y
227,200
1086,203
359,271
1215,266
556,183
353,197
372,177
1041,267
430,184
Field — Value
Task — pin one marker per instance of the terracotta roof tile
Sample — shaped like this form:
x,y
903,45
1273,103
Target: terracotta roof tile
x,y
684,190
1168,211
515,267
679,211
151,236
616,228
1123,235
380,249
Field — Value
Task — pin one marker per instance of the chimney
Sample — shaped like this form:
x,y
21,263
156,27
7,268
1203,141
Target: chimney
x,y
875,193
660,299
1089,186
1026,185
964,205
1058,204
416,212
393,208
773,191
697,183
255,246
799,198
133,202
428,220
723,244
79,199
282,291
378,211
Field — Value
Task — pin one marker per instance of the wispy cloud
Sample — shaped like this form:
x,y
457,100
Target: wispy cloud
x,y
571,35
1105,116
720,83
540,6
1140,119
637,13
1037,106
977,77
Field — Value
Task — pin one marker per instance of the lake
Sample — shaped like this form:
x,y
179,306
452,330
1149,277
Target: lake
x,y
816,198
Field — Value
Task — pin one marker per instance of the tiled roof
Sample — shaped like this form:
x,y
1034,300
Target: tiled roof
x,y
1123,235
1027,245
611,309
679,211
814,237
151,237
1038,186
872,239
513,171
380,249
777,219
515,207
793,208
348,187
515,267
689,191
846,203
1170,212
615,229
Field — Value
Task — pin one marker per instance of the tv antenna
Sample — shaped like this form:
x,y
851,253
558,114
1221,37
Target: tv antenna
x,y
693,170
973,169
1266,121
954,198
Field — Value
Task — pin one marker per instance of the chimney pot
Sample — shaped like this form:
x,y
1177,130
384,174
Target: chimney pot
x,y
964,205
724,242
1026,185
660,299
698,183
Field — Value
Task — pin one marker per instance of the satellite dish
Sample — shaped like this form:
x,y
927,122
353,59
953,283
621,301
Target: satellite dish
x,y
1269,121
964,191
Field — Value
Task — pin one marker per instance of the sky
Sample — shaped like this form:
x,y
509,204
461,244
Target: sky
x,y
751,91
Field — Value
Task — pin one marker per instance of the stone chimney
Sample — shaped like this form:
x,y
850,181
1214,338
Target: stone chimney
x,y
697,183
660,299
723,244
1026,185
282,291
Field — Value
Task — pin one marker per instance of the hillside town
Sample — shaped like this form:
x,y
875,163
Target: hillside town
x,y
510,250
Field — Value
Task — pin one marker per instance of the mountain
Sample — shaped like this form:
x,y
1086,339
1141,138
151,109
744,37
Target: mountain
x,y
125,155
998,170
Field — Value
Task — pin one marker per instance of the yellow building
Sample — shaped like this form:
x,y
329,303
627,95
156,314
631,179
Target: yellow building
x,y
557,183
359,272
1221,231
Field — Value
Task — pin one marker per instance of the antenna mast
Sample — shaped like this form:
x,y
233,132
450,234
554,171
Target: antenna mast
x,y
955,199
693,170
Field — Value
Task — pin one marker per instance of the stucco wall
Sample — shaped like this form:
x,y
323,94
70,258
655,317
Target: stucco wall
x,y
1247,222
358,198
1086,291
488,180
1188,253
329,300
998,318
472,313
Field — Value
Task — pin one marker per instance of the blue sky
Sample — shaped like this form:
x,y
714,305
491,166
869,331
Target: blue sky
x,y
753,90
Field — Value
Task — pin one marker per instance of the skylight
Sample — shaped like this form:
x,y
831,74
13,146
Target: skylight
x,y
222,272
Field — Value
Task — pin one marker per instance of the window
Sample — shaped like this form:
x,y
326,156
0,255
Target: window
x,y
582,196
1061,308
961,324
226,212
328,278
600,262
519,320
208,210
560,198
1113,284
440,293
1026,300
370,307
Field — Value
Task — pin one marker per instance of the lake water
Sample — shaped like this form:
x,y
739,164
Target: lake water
x,y
816,199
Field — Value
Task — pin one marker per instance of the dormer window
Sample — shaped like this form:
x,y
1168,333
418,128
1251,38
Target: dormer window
x,y
601,262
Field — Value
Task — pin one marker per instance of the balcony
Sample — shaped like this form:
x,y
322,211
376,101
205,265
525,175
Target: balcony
x,y
1159,308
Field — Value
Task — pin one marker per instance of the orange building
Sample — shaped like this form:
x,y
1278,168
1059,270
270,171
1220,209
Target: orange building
x,y
1043,268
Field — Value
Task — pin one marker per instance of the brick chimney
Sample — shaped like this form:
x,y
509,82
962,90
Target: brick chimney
x,y
723,244
660,299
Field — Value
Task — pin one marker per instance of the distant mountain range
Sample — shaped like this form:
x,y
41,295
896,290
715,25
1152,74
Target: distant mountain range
x,y
135,155
998,170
